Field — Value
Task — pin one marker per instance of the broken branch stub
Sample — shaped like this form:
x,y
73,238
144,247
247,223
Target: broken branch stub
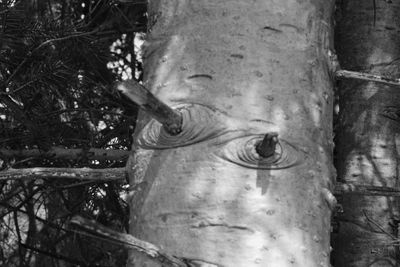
x,y
169,118
266,148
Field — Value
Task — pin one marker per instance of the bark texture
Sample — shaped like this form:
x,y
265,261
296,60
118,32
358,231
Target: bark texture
x,y
368,141
237,70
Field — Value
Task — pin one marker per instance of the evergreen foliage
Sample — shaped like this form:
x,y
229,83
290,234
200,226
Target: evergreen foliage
x,y
58,62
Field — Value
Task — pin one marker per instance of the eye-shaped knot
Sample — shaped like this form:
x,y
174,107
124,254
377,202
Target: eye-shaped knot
x,y
245,151
199,123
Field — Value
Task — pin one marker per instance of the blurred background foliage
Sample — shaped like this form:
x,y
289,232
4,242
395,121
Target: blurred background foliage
x,y
58,62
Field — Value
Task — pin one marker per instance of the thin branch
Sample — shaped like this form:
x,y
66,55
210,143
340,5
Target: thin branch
x,y
57,112
63,153
383,231
80,184
64,38
129,241
17,230
367,77
37,218
368,190
110,174
18,89
128,21
55,256
20,204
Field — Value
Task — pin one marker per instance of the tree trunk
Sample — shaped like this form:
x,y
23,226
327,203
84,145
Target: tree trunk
x,y
367,149
237,70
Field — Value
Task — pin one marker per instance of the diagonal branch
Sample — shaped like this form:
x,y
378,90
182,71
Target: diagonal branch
x,y
53,255
96,230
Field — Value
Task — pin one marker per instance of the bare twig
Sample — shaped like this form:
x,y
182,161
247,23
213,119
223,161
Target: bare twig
x,y
383,231
367,77
70,173
18,89
18,232
129,241
368,190
53,255
29,196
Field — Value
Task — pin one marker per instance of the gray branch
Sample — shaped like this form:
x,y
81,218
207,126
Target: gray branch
x,y
367,190
367,77
128,241
71,173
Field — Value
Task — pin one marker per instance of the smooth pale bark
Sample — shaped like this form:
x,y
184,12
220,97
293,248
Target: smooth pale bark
x,y
368,134
250,67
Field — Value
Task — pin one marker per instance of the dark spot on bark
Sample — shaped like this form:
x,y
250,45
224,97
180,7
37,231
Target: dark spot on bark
x,y
204,224
270,212
271,29
390,28
287,25
237,56
258,73
200,76
164,218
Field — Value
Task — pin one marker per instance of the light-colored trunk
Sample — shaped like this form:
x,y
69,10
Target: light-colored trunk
x,y
368,134
238,69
